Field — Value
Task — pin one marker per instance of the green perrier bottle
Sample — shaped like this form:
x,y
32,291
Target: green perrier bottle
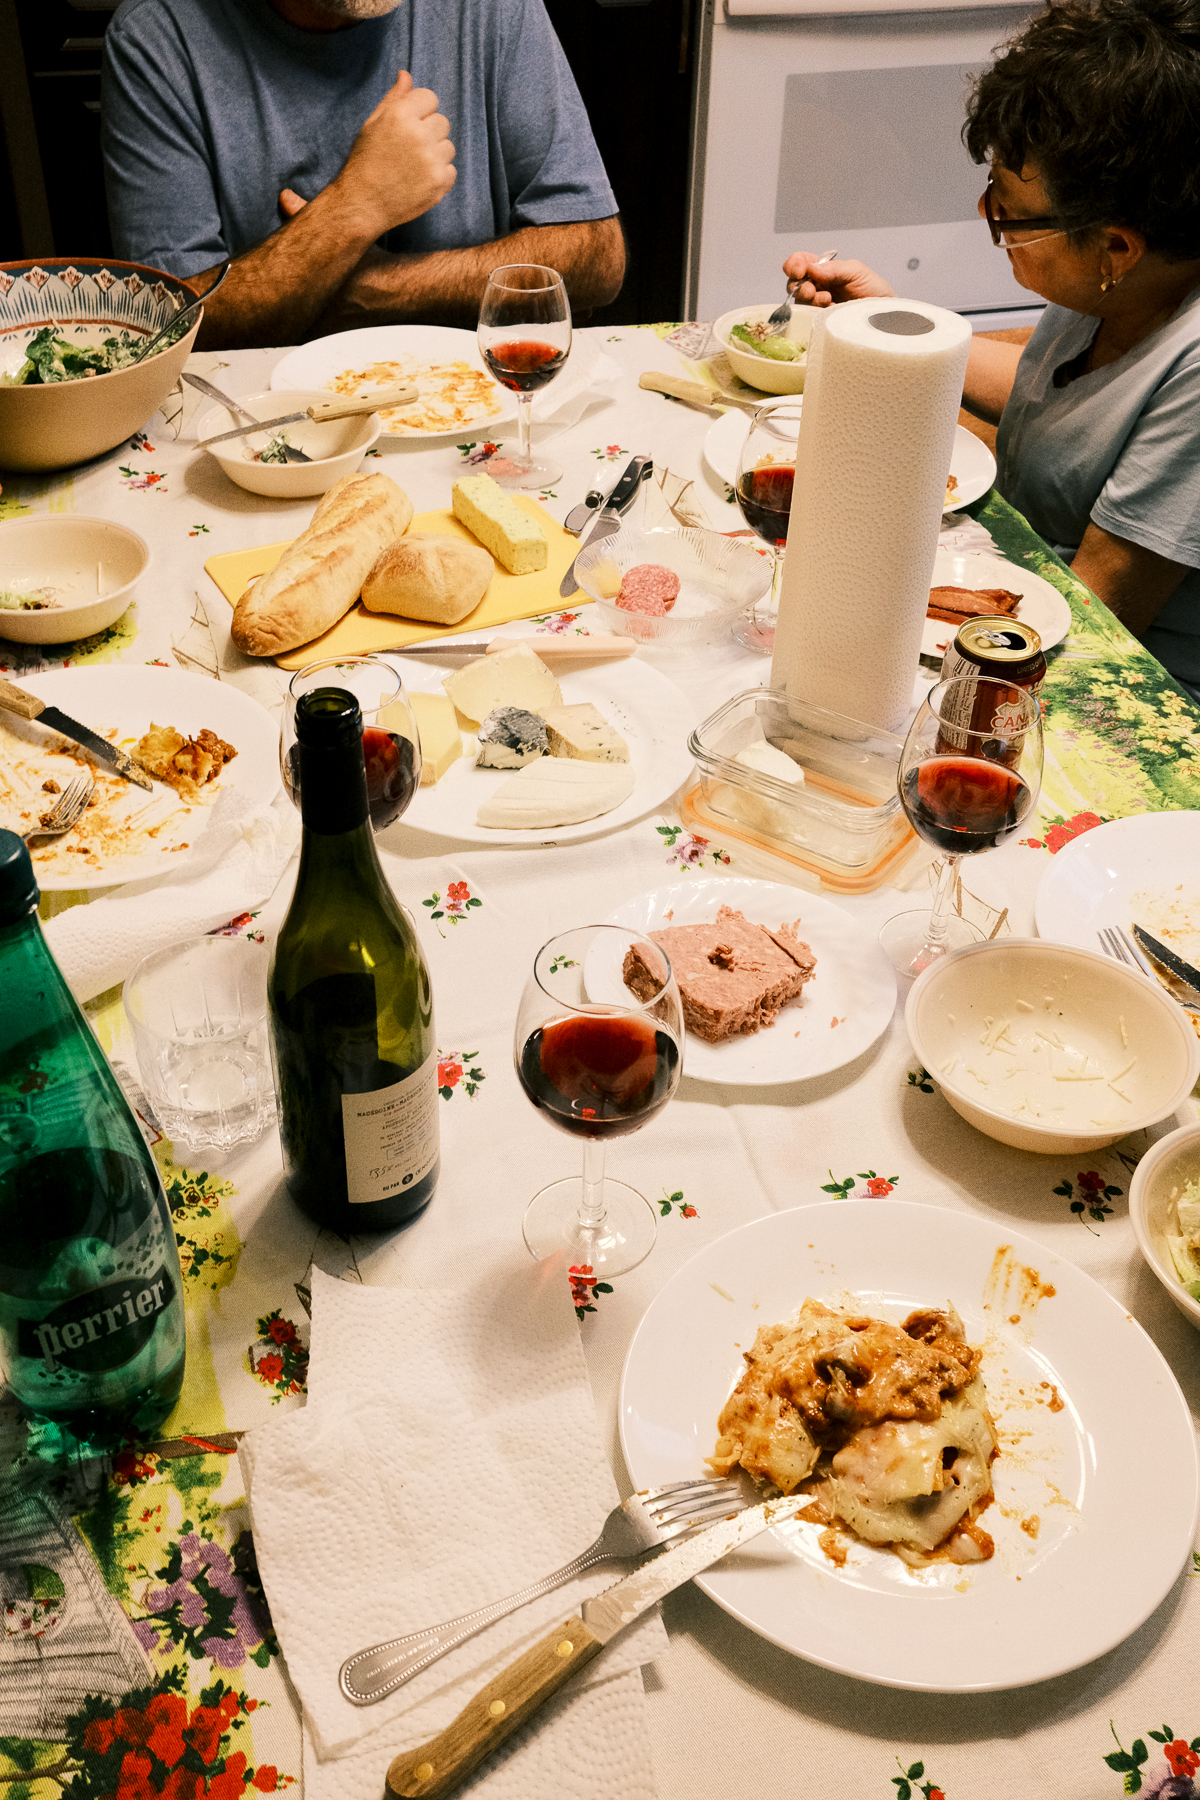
x,y
91,1303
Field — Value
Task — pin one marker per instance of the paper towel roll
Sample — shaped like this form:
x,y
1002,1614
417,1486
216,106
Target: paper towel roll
x,y
881,402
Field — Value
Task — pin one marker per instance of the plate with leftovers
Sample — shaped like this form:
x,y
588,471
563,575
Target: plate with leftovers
x,y
972,466
1081,1402
511,755
777,984
1143,870
183,727
456,391
996,581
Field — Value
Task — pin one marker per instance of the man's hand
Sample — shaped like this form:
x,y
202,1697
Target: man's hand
x,y
401,163
815,283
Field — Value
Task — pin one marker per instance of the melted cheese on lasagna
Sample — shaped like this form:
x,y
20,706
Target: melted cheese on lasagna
x,y
887,1424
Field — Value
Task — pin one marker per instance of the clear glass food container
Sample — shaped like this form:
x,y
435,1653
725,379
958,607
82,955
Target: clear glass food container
x,y
844,821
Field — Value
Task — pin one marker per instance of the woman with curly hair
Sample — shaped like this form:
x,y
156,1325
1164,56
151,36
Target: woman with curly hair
x,y
1090,119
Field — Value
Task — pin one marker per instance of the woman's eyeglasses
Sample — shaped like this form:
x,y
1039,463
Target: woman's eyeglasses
x,y
1012,234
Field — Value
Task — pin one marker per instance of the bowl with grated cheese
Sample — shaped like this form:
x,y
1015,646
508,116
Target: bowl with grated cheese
x,y
1164,1210
1051,1048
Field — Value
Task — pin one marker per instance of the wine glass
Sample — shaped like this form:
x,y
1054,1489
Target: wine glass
x,y
765,474
391,741
524,338
599,1058
969,775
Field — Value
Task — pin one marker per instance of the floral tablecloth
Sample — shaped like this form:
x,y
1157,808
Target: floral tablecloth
x,y
138,1656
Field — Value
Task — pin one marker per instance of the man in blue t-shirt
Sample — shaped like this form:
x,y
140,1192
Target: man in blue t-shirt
x,y
364,161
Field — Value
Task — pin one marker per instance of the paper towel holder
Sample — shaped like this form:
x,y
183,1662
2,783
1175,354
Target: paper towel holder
x,y
901,324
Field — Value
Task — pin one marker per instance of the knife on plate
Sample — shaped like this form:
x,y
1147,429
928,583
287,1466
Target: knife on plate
x,y
321,412
1168,958
608,520
27,706
583,649
499,1709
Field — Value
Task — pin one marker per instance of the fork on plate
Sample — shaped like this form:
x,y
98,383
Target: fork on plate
x,y
646,1522
66,810
1122,948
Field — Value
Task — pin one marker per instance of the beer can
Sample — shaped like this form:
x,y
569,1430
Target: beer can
x,y
1004,649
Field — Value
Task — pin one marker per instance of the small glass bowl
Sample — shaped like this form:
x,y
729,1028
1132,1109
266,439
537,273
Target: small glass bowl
x,y
719,579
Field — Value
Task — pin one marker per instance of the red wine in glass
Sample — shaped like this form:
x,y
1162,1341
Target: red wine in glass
x,y
525,364
599,1076
391,775
765,497
963,805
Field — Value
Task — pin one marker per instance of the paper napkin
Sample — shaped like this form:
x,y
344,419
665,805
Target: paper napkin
x,y
448,1455
234,867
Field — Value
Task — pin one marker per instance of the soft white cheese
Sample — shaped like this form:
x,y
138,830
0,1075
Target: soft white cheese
x,y
515,677
582,734
553,791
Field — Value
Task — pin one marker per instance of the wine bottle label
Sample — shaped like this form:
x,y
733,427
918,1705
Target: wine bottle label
x,y
391,1135
99,1330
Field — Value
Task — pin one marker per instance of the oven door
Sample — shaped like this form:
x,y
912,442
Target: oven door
x,y
824,132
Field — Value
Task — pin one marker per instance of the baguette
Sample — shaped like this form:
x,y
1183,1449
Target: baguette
x,y
429,576
318,578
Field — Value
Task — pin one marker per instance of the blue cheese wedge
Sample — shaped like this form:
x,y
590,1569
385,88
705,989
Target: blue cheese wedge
x,y
582,734
515,677
552,792
514,539
509,738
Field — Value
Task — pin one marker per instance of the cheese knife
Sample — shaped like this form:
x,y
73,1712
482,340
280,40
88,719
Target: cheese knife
x,y
585,648
27,706
321,412
1168,959
608,520
578,517
435,1769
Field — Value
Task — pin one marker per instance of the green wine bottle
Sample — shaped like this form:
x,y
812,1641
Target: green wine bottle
x,y
91,1299
351,1004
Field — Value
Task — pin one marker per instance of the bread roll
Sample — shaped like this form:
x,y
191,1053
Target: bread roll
x,y
429,576
318,578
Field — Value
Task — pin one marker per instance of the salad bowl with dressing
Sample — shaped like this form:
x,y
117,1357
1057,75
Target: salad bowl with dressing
x,y
770,374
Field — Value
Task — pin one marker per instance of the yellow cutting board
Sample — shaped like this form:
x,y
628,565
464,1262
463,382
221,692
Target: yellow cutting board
x,y
360,632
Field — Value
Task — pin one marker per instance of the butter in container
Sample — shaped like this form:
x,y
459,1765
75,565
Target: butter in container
x,y
836,811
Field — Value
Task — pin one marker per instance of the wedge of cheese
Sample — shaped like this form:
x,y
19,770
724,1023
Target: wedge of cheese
x,y
583,735
441,740
515,677
556,792
514,539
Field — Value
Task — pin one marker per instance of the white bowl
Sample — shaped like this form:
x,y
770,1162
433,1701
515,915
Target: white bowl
x,y
1044,991
337,448
719,578
56,425
761,371
65,553
1164,1169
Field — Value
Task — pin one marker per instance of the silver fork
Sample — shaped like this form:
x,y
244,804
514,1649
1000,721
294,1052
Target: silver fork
x,y
780,319
1122,948
66,809
644,1523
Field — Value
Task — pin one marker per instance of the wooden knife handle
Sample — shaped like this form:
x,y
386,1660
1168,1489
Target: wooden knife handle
x,y
18,700
324,410
501,1708
588,648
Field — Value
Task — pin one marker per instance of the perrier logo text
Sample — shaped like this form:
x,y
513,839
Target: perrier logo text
x,y
99,1330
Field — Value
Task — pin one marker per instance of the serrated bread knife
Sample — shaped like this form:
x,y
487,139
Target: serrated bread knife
x,y
499,1709
27,706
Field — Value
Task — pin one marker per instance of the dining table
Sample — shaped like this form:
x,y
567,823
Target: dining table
x,y
165,1646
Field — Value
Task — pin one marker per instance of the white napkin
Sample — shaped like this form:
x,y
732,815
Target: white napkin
x,y
589,379
448,1455
235,866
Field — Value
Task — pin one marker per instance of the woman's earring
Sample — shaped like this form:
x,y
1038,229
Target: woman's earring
x,y
1109,281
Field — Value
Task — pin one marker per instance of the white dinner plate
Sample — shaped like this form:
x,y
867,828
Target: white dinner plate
x,y
649,712
1143,870
972,464
1111,1478
843,1010
1040,605
385,355
130,698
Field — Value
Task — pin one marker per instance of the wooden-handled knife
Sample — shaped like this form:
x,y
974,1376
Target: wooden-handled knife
x,y
436,1769
25,705
321,412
